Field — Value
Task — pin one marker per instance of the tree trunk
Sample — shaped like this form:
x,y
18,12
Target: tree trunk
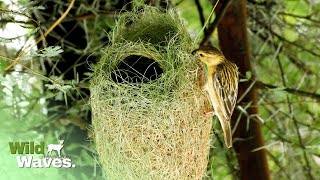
x,y
233,42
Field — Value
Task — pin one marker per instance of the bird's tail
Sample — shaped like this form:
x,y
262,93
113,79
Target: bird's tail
x,y
227,131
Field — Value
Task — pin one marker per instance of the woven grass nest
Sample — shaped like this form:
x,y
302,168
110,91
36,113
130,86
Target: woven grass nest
x,y
147,108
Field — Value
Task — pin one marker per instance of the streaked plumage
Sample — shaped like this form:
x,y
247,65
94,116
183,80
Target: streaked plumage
x,y
221,85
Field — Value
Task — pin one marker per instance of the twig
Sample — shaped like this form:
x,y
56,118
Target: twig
x,y
215,23
298,63
312,115
4,21
19,13
200,11
206,22
108,14
295,122
263,3
267,27
278,164
40,38
310,126
34,72
307,17
227,155
274,132
261,85
178,3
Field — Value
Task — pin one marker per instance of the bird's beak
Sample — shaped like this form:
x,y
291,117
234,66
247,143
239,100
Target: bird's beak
x,y
194,52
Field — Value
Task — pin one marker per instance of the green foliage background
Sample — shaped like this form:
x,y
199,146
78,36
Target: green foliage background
x,y
285,51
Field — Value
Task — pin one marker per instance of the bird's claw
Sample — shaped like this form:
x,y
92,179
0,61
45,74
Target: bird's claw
x,y
210,113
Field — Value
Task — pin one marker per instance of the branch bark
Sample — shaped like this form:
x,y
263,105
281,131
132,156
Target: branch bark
x,y
314,96
233,42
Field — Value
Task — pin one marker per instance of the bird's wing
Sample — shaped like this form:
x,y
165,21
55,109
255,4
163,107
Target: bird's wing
x,y
225,82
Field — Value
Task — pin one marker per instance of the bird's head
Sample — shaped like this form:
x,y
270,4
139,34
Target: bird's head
x,y
209,55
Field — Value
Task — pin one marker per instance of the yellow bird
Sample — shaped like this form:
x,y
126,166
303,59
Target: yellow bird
x,y
221,85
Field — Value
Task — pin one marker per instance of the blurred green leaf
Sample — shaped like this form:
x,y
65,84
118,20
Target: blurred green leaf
x,y
50,51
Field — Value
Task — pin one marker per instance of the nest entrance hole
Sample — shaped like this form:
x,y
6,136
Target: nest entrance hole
x,y
136,69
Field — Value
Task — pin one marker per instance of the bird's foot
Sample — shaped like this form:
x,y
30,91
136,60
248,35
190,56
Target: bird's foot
x,y
210,113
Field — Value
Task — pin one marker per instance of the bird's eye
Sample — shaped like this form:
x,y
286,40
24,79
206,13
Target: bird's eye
x,y
201,55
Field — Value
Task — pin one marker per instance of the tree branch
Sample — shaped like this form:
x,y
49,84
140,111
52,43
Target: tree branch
x,y
200,10
276,161
266,26
261,85
295,122
307,17
215,23
228,156
233,41
298,63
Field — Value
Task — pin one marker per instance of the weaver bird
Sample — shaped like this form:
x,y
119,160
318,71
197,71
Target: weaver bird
x,y
221,85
